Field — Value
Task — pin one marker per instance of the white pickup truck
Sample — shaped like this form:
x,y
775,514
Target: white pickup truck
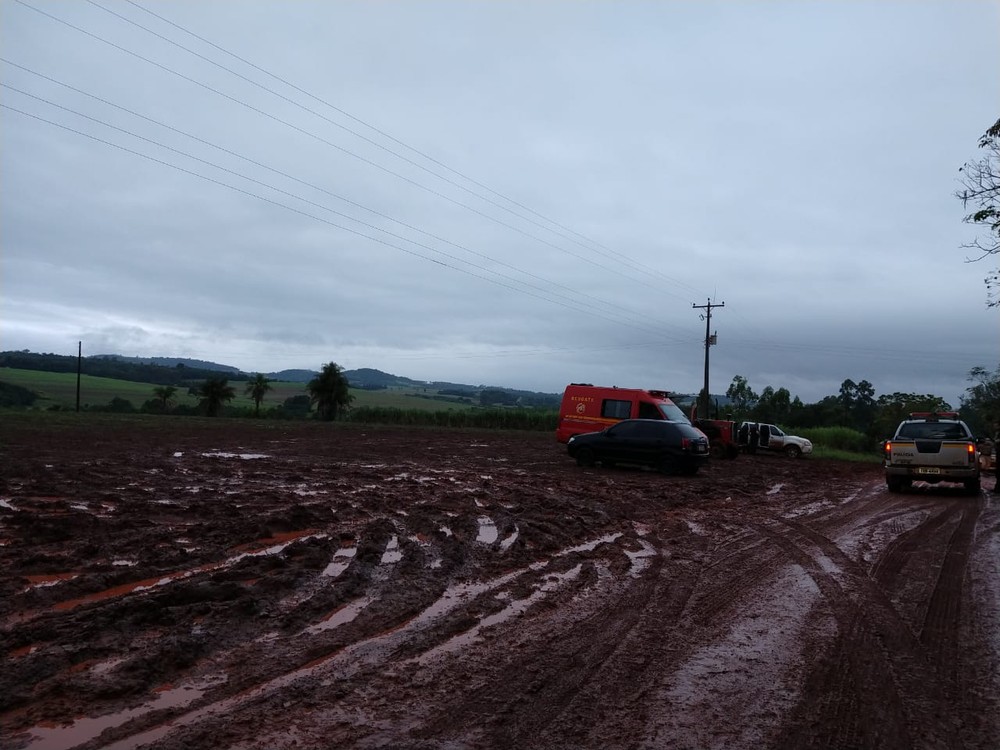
x,y
760,436
932,447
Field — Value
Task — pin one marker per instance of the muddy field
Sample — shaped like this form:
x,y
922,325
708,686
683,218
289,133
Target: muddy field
x,y
178,584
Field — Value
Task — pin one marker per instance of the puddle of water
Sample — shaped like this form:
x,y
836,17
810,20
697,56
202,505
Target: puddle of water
x,y
775,489
487,530
85,729
392,552
341,559
104,667
51,579
244,456
505,544
178,454
124,563
282,540
640,558
446,531
5,503
339,617
589,546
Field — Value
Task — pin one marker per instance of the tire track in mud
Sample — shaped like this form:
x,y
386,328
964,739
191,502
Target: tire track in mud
x,y
600,678
889,565
577,678
939,633
879,688
367,653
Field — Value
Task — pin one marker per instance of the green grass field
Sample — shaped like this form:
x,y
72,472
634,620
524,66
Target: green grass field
x,y
59,389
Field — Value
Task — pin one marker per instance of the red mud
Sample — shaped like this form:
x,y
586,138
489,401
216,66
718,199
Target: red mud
x,y
177,584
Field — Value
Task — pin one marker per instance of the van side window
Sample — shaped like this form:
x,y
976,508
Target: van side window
x,y
616,409
649,411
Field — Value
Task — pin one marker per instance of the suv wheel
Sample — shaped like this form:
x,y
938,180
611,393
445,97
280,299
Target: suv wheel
x,y
668,465
793,451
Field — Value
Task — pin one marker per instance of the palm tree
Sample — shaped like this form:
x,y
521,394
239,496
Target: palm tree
x,y
214,392
164,393
256,388
329,391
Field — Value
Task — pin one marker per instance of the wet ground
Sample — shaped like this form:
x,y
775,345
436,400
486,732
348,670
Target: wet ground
x,y
177,583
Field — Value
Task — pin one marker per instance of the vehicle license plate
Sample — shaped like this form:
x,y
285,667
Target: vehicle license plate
x,y
928,470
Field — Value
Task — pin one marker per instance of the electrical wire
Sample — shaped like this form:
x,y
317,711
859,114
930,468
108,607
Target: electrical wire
x,y
279,204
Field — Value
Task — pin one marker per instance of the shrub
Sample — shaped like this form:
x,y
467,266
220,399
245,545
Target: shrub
x,y
839,438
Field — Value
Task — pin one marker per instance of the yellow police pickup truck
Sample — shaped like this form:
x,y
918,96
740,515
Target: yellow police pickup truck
x,y
932,447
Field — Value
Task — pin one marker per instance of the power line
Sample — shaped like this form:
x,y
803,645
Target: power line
x,y
317,218
576,292
303,131
610,253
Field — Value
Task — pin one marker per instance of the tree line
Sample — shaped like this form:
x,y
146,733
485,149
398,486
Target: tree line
x,y
107,367
858,408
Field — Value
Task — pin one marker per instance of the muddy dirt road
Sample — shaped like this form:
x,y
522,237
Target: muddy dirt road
x,y
175,584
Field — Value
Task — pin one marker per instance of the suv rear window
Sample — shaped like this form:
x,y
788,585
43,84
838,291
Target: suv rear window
x,y
933,431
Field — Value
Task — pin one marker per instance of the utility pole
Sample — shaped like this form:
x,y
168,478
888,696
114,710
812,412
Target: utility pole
x,y
710,339
79,369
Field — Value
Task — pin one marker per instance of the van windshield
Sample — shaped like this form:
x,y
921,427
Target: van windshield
x,y
673,413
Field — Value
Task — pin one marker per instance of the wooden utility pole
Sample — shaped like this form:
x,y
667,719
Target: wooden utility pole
x,y
710,339
79,368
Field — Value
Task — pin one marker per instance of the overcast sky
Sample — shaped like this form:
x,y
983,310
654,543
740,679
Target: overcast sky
x,y
521,194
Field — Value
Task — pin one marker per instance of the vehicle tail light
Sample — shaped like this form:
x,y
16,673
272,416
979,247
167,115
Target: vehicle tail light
x,y
971,450
685,444
888,449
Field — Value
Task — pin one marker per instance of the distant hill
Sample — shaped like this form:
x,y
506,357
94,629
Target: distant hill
x,y
366,377
292,376
197,364
180,371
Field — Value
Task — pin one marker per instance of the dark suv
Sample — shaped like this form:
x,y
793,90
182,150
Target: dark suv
x,y
671,447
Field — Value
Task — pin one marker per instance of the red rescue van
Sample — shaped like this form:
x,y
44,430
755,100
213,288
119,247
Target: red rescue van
x,y
591,408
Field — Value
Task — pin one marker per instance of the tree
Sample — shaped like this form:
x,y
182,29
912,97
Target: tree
x,y
773,406
981,190
981,405
329,391
164,394
858,402
256,388
895,407
741,396
214,393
